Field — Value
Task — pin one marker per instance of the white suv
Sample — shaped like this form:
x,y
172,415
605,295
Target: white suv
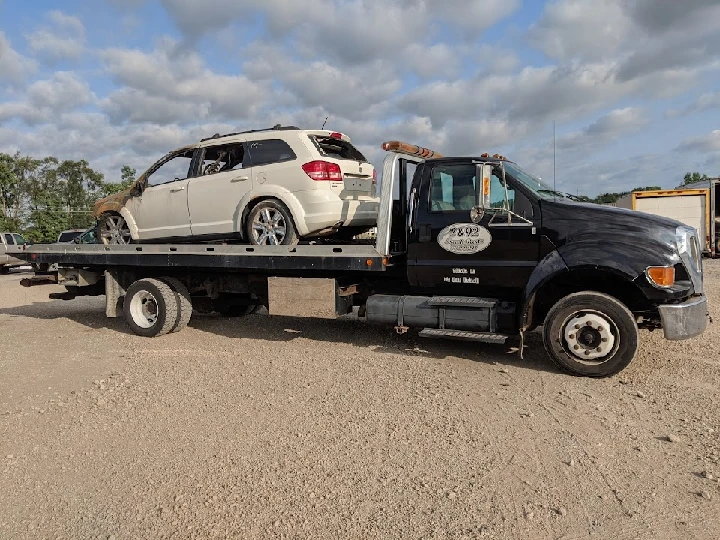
x,y
269,186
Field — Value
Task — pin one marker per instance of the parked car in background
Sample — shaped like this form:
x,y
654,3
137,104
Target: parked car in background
x,y
271,186
73,236
70,235
11,244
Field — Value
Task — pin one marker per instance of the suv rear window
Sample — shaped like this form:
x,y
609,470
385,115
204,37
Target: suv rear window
x,y
337,148
270,151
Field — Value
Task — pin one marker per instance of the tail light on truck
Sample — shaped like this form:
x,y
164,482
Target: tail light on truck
x,y
374,181
323,171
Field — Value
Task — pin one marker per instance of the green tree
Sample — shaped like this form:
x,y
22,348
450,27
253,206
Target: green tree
x,y
127,179
694,178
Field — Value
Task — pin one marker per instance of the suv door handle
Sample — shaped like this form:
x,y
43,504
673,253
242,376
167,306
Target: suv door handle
x,y
240,179
175,190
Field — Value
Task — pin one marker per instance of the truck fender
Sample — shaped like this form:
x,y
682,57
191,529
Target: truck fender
x,y
621,260
275,192
551,266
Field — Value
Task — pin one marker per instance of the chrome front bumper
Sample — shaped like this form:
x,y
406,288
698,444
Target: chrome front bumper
x,y
686,320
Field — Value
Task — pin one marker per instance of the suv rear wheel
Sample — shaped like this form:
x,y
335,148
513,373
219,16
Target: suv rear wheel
x,y
270,224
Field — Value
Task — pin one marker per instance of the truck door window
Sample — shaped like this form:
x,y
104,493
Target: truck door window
x,y
453,188
497,195
19,239
516,202
9,240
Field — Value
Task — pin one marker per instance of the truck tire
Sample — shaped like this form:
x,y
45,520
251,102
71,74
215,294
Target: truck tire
x,y
590,334
151,307
270,223
182,296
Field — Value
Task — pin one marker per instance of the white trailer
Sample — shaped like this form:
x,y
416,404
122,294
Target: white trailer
x,y
693,207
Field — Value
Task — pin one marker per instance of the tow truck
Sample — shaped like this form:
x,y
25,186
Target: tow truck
x,y
468,248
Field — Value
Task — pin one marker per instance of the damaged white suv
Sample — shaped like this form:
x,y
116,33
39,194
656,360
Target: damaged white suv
x,y
264,187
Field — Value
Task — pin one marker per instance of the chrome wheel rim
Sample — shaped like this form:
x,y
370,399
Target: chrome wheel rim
x,y
591,337
115,230
269,227
144,309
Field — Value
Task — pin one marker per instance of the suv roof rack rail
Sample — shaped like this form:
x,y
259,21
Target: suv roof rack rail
x,y
276,127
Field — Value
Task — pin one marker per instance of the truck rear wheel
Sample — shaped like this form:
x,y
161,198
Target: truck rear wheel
x,y
151,308
590,334
184,302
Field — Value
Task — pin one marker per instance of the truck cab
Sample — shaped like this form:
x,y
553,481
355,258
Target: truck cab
x,y
483,227
11,246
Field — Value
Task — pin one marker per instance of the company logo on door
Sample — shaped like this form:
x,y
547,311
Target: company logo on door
x,y
464,238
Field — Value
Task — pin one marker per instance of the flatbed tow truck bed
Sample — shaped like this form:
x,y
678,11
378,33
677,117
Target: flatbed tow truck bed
x,y
306,258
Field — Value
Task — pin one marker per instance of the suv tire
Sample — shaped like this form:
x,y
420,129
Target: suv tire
x,y
270,223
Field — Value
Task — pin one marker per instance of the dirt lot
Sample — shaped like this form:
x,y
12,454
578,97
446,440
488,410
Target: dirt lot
x,y
285,428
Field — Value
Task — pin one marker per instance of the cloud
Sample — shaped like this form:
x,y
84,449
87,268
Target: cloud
x,y
709,143
14,67
588,29
63,39
607,128
46,99
180,78
705,102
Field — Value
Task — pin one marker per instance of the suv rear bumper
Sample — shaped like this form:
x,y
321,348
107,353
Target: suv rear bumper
x,y
686,320
324,209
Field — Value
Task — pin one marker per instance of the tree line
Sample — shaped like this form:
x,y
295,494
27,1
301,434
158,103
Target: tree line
x,y
612,197
42,197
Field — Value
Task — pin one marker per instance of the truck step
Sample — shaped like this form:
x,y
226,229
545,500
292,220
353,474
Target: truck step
x,y
483,337
461,301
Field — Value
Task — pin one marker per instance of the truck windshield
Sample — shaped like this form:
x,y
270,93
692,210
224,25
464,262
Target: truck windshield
x,y
534,184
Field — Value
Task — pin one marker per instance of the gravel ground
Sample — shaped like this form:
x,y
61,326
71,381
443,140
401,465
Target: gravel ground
x,y
290,428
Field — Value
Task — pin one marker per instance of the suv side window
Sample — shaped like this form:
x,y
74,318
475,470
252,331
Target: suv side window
x,y
229,157
175,168
453,188
270,151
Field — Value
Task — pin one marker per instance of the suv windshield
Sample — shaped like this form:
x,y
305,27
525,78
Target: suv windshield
x,y
534,184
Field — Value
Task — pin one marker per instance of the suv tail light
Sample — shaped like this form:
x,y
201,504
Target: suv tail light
x,y
374,176
336,135
323,171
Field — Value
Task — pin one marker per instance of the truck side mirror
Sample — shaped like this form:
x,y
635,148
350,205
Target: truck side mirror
x,y
484,173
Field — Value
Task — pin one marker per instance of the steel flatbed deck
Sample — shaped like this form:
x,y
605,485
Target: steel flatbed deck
x,y
335,258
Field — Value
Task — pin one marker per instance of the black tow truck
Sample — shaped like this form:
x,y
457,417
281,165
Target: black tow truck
x,y
468,248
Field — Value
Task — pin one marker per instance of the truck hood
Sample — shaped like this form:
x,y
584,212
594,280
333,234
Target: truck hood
x,y
568,221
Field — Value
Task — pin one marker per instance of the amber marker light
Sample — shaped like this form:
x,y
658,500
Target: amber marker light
x,y
662,276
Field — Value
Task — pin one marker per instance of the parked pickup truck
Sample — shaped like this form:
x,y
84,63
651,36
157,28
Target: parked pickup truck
x,y
11,245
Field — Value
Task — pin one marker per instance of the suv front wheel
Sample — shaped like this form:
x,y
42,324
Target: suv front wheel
x,y
270,224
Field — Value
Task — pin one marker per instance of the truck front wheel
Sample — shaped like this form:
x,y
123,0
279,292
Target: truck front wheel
x,y
590,334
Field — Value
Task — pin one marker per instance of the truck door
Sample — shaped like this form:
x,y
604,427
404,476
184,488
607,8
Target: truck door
x,y
447,251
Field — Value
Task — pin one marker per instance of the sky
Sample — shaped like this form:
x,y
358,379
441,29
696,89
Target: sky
x,y
631,86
